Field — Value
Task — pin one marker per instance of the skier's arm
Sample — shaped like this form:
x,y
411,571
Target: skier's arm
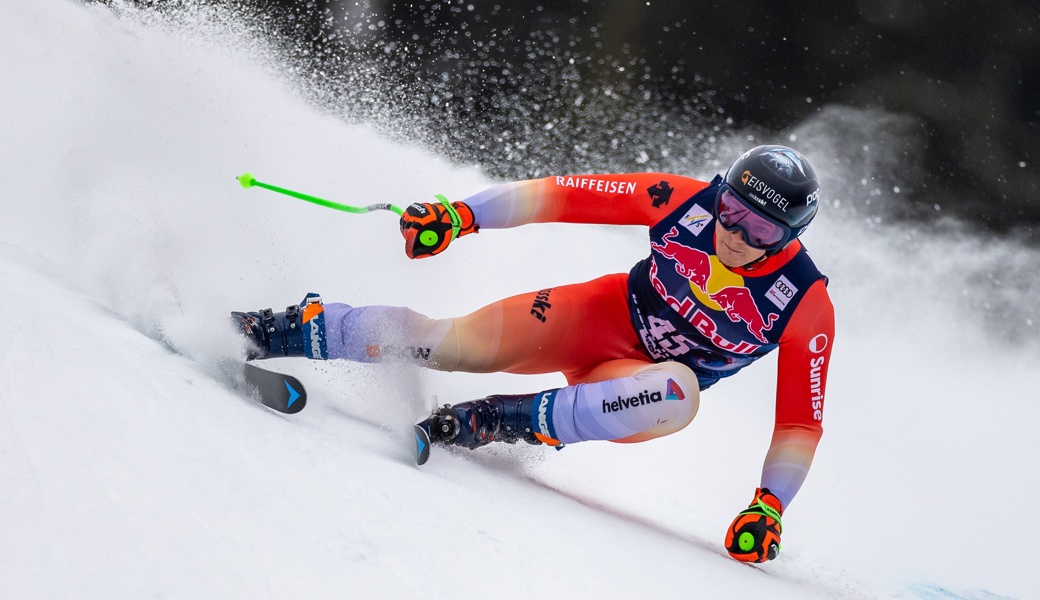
x,y
628,199
805,355
632,199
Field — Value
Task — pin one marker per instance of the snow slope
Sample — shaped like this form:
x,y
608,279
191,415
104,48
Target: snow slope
x,y
128,470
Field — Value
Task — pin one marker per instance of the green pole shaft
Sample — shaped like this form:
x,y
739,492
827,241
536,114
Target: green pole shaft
x,y
249,181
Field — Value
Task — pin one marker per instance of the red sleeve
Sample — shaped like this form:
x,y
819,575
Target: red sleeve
x,y
805,355
630,199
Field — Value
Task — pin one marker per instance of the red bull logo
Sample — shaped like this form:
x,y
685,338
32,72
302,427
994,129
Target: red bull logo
x,y
682,307
707,327
701,321
691,263
740,306
710,291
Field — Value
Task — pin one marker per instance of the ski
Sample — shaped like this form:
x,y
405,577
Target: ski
x,y
275,390
421,435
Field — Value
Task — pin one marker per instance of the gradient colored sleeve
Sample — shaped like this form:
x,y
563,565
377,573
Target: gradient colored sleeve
x,y
629,199
805,355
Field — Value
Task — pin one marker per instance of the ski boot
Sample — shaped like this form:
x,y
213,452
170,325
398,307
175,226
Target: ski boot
x,y
498,418
299,331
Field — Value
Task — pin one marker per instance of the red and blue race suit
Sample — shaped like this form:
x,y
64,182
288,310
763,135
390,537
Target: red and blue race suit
x,y
688,307
637,348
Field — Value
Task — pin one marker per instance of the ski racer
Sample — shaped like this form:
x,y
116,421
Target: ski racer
x,y
726,282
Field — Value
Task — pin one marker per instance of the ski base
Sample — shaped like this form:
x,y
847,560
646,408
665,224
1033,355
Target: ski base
x,y
277,391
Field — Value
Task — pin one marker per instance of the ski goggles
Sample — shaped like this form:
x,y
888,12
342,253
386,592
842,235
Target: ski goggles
x,y
758,230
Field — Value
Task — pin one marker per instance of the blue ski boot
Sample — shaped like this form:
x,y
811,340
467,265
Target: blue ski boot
x,y
477,423
299,331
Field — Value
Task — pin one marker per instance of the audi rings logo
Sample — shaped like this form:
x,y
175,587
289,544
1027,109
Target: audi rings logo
x,y
818,344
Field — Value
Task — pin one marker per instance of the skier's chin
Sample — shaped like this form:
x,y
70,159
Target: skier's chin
x,y
731,257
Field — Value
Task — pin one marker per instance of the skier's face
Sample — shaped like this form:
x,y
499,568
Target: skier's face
x,y
732,250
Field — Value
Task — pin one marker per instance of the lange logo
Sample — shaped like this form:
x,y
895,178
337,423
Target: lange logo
x,y
544,412
314,328
541,304
316,338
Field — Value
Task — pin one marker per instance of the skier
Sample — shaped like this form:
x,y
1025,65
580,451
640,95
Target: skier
x,y
727,281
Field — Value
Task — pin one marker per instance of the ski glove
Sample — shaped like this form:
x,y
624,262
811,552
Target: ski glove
x,y
429,227
754,536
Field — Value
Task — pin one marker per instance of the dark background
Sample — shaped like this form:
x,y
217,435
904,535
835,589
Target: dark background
x,y
948,92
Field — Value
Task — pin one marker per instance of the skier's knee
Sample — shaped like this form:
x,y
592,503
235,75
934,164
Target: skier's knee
x,y
685,384
680,399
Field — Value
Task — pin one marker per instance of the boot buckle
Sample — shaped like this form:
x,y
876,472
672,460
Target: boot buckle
x,y
291,312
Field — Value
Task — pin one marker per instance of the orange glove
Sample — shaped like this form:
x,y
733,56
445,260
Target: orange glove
x,y
429,227
754,536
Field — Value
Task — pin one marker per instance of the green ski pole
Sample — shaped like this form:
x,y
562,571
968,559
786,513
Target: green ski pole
x,y
248,181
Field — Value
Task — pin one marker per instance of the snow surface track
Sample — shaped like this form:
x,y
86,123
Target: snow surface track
x,y
128,470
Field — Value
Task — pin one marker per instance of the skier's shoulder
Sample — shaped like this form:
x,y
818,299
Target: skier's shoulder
x,y
794,258
682,185
793,275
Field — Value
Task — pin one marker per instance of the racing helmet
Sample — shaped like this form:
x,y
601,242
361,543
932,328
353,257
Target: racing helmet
x,y
778,183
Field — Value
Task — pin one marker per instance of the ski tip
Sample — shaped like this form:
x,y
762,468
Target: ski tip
x,y
422,444
277,391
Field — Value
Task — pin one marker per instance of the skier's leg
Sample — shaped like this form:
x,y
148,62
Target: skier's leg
x,y
378,333
626,401
636,401
362,334
569,328
617,392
